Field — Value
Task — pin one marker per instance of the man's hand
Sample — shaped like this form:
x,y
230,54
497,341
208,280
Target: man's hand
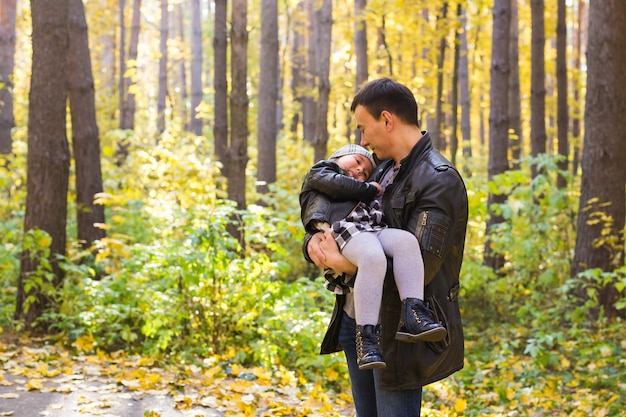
x,y
324,253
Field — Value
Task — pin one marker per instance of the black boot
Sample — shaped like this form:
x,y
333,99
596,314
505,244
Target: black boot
x,y
417,323
368,352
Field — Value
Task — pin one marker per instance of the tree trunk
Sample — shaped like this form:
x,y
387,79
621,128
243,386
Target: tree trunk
x,y
466,129
220,83
437,133
122,89
537,82
454,137
182,67
85,139
308,99
48,161
238,149
360,50
324,18
162,93
7,60
268,96
600,226
577,87
498,118
515,101
127,117
195,123
298,61
561,80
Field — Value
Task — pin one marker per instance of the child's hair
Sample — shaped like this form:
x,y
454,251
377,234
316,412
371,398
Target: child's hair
x,y
353,149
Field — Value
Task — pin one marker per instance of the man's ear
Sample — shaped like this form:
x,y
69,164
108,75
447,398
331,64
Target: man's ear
x,y
388,117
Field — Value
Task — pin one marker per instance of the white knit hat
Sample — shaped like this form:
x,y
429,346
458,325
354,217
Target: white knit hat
x,y
353,149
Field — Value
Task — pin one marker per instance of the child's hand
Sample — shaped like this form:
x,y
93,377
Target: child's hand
x,y
378,187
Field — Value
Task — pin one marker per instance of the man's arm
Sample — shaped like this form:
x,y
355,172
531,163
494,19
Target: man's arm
x,y
324,252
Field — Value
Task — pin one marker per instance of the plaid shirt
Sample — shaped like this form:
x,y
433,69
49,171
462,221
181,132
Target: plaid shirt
x,y
363,218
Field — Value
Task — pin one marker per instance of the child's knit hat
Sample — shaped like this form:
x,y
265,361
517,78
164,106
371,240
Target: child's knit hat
x,y
353,149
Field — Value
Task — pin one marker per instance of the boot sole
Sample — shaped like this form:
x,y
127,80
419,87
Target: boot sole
x,y
434,335
372,365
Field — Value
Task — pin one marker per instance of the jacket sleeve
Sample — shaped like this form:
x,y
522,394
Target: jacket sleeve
x,y
436,216
326,177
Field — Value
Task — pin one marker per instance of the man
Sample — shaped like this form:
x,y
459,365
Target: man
x,y
422,193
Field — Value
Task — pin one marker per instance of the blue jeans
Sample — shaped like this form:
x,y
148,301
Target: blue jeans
x,y
369,399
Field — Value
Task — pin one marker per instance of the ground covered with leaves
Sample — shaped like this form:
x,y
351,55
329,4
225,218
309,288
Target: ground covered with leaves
x,y
510,371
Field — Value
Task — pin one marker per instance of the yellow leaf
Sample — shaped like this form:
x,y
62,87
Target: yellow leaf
x,y
460,405
84,343
34,384
510,393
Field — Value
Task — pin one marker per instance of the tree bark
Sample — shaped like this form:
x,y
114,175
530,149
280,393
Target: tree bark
x,y
437,133
162,93
600,226
360,50
466,128
220,83
238,149
7,62
454,137
48,161
537,82
515,101
324,18
268,96
308,96
196,67
85,138
498,119
298,62
562,95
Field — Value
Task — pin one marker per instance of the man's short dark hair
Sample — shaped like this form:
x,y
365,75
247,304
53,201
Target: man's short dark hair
x,y
387,94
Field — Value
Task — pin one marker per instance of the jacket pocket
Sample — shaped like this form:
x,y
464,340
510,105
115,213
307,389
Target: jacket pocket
x,y
440,317
431,231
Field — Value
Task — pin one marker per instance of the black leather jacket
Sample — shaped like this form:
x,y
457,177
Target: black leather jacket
x,y
428,197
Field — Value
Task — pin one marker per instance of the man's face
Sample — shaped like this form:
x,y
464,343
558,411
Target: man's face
x,y
373,132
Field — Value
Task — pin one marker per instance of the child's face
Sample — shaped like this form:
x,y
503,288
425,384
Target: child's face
x,y
356,166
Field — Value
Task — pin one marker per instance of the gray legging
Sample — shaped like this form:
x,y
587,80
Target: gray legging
x,y
367,251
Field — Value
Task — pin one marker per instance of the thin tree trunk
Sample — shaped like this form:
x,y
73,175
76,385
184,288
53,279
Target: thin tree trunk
x,y
466,129
298,62
220,82
454,138
600,226
85,139
360,50
122,62
324,17
182,67
48,161
498,119
196,67
238,149
308,100
538,88
561,74
515,101
7,62
437,133
577,86
162,93
268,96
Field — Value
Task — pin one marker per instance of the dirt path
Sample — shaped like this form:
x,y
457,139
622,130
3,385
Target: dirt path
x,y
64,397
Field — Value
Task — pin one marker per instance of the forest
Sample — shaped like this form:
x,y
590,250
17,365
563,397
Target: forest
x,y
152,153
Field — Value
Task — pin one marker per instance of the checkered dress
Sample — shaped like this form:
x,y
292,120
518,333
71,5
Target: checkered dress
x,y
363,218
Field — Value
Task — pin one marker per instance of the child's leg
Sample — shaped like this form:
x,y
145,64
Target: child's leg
x,y
408,266
416,319
364,251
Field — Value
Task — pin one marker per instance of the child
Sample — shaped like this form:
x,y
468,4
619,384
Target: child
x,y
335,195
